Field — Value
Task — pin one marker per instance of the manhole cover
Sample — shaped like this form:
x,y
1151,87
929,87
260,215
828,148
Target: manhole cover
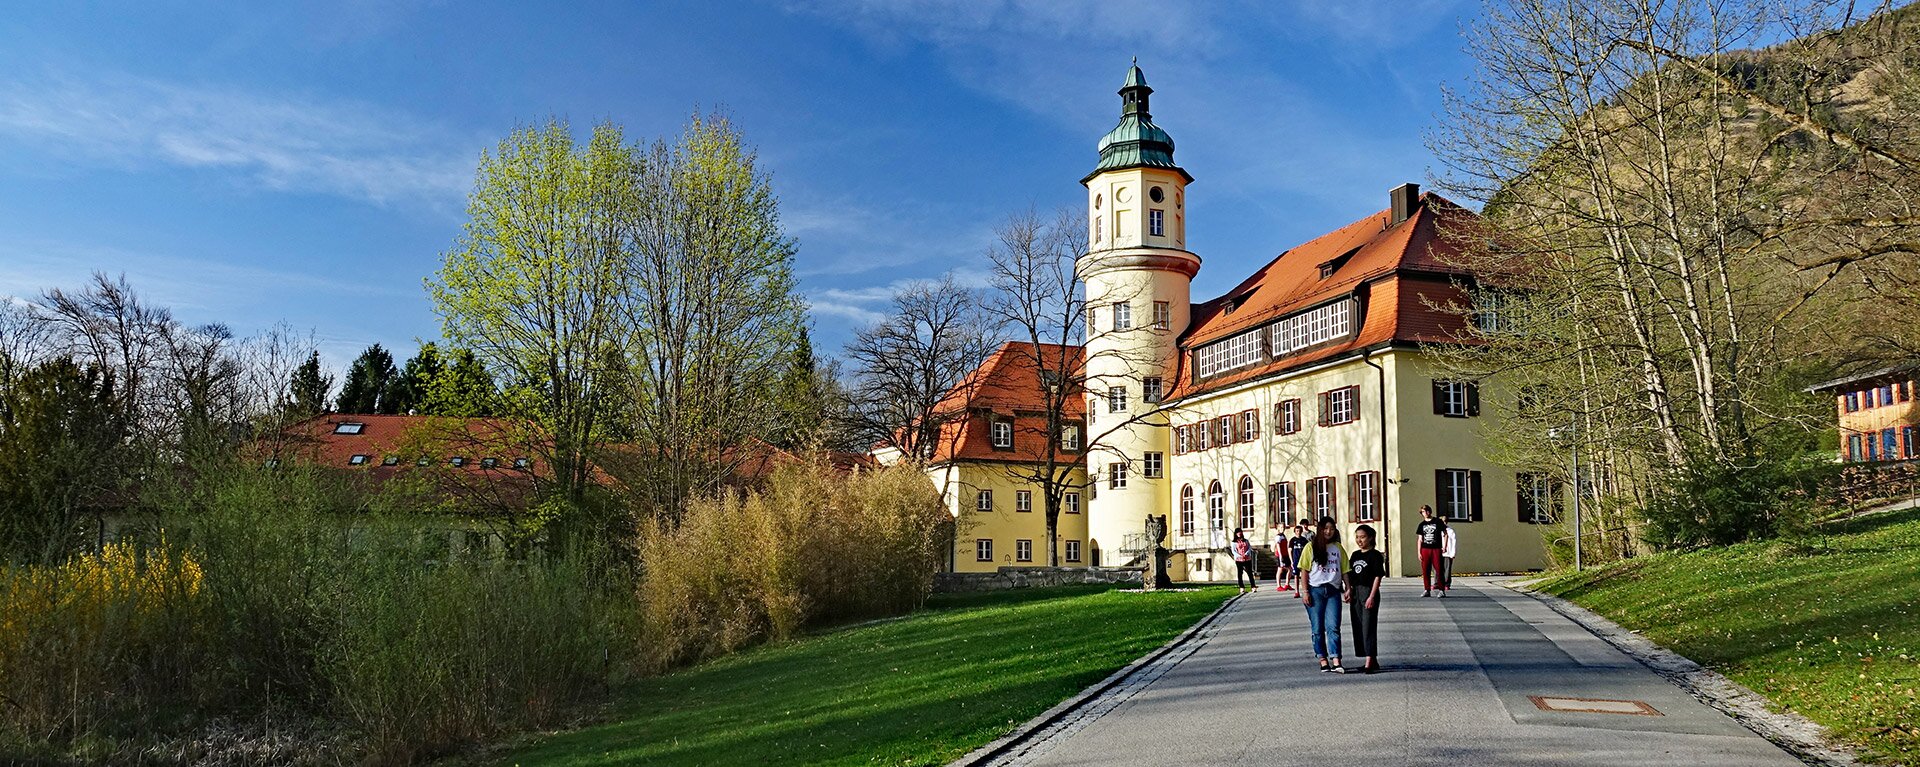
x,y
1593,705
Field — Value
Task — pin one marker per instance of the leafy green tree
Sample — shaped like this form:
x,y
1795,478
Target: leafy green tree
x,y
411,390
61,429
534,284
368,384
464,389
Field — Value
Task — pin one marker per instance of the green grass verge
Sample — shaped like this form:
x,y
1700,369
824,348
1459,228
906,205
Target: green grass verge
x,y
1827,626
921,690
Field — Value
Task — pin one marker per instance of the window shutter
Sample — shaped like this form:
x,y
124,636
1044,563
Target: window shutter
x,y
1523,497
1473,399
1254,417
1439,398
1440,492
1353,495
1323,408
1473,489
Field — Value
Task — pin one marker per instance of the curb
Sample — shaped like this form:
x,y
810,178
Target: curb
x,y
986,754
1798,735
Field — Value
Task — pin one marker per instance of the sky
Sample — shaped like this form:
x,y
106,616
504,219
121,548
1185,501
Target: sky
x,y
307,163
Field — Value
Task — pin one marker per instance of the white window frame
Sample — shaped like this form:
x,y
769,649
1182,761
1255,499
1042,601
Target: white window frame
x,y
1186,509
1002,433
1453,398
1216,506
1152,388
1116,399
1459,504
1156,222
1250,425
358,459
1122,315
1290,416
350,427
1280,499
983,549
1342,406
1117,475
1183,439
1023,549
1162,315
1073,550
1366,496
1071,501
1153,465
983,501
1248,508
1023,500
1320,498
1070,437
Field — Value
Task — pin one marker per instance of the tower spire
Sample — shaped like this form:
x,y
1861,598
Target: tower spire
x,y
1136,141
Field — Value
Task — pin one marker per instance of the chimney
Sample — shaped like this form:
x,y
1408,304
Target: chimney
x,y
1406,197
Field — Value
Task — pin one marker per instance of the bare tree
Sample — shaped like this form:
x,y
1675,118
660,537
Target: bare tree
x,y
1675,216
1035,293
920,356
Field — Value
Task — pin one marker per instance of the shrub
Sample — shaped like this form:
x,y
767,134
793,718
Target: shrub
x,y
812,546
1711,502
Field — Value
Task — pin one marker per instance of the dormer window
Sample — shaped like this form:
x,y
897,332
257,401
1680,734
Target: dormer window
x,y
357,460
1327,269
349,428
1333,265
1002,434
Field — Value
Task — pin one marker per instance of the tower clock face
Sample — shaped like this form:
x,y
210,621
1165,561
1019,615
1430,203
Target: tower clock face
x,y
1122,195
1155,194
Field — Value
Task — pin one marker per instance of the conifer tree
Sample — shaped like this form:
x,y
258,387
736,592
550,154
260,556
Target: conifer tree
x,y
369,382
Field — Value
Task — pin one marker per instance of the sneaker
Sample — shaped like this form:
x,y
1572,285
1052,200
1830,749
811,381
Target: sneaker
x,y
1443,594
1427,593
1338,669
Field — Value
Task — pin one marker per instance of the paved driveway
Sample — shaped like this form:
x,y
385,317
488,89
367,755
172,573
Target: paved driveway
x,y
1458,690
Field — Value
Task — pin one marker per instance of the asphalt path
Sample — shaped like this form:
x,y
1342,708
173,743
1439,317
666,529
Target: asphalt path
x,y
1481,678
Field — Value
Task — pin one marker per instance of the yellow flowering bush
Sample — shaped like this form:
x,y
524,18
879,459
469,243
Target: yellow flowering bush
x,y
69,633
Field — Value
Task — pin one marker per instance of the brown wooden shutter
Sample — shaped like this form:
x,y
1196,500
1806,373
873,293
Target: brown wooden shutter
x,y
1473,399
1521,498
1353,496
1253,429
1323,408
1440,493
1439,398
1473,490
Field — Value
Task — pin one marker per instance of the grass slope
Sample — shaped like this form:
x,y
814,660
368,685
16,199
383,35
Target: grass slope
x,y
921,690
1827,626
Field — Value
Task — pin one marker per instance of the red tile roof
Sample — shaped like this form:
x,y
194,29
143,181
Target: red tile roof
x,y
1007,386
390,446
1402,275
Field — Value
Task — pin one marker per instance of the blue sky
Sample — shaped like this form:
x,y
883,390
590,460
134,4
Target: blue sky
x,y
262,162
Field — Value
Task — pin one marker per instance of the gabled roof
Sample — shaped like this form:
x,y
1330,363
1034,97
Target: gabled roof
x,y
1008,386
1356,256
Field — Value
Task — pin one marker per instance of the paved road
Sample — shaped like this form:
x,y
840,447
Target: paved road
x,y
1456,692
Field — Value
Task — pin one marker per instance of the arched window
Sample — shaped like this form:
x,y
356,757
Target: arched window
x,y
1216,507
1186,510
1246,503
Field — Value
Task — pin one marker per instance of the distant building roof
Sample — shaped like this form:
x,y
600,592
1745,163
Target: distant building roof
x,y
1905,367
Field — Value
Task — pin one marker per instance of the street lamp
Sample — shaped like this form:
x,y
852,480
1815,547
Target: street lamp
x,y
1573,432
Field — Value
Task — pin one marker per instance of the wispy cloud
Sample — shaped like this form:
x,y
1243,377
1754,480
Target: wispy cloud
x,y
277,142
199,285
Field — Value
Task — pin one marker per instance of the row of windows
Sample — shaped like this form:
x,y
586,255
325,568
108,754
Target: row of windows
x,y
1893,443
1152,389
1023,550
1023,501
1322,499
1000,431
1878,396
1338,406
1277,339
1122,312
361,459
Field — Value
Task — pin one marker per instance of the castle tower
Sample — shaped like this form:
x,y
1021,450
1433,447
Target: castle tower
x,y
1138,276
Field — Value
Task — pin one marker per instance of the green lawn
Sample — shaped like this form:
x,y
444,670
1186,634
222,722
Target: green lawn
x,y
921,690
1827,626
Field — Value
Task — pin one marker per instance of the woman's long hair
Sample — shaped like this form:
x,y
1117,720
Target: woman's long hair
x,y
1319,545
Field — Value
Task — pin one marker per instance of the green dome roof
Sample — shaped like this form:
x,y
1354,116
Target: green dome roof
x,y
1136,142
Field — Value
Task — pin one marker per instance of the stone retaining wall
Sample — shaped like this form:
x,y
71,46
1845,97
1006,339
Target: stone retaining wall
x,y
1033,577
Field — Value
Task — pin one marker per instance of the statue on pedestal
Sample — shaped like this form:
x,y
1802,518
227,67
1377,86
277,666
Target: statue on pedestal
x,y
1156,575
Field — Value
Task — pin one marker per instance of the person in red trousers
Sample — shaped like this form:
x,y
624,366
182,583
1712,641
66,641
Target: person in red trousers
x,y
1432,535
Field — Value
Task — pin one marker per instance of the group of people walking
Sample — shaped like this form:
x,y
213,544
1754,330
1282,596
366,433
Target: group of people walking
x,y
1324,576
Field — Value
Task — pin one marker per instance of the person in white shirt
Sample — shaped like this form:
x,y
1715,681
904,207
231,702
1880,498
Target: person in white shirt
x,y
1322,583
1243,572
1449,545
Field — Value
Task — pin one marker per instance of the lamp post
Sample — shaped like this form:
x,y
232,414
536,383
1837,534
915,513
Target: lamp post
x,y
1573,433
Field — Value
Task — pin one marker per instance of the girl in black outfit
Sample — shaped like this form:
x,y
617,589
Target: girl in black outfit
x,y
1366,568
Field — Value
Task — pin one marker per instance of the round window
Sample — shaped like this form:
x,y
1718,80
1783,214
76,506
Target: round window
x,y
1122,195
1156,194
1096,202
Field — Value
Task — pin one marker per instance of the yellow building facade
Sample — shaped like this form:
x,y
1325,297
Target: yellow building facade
x,y
1312,388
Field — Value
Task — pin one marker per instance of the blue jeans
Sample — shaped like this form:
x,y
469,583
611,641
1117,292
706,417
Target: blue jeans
x,y
1323,616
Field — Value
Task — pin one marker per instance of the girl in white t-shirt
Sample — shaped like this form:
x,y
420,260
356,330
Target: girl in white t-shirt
x,y
1322,582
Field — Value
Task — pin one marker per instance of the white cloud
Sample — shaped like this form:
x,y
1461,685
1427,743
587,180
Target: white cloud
x,y
200,286
277,142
